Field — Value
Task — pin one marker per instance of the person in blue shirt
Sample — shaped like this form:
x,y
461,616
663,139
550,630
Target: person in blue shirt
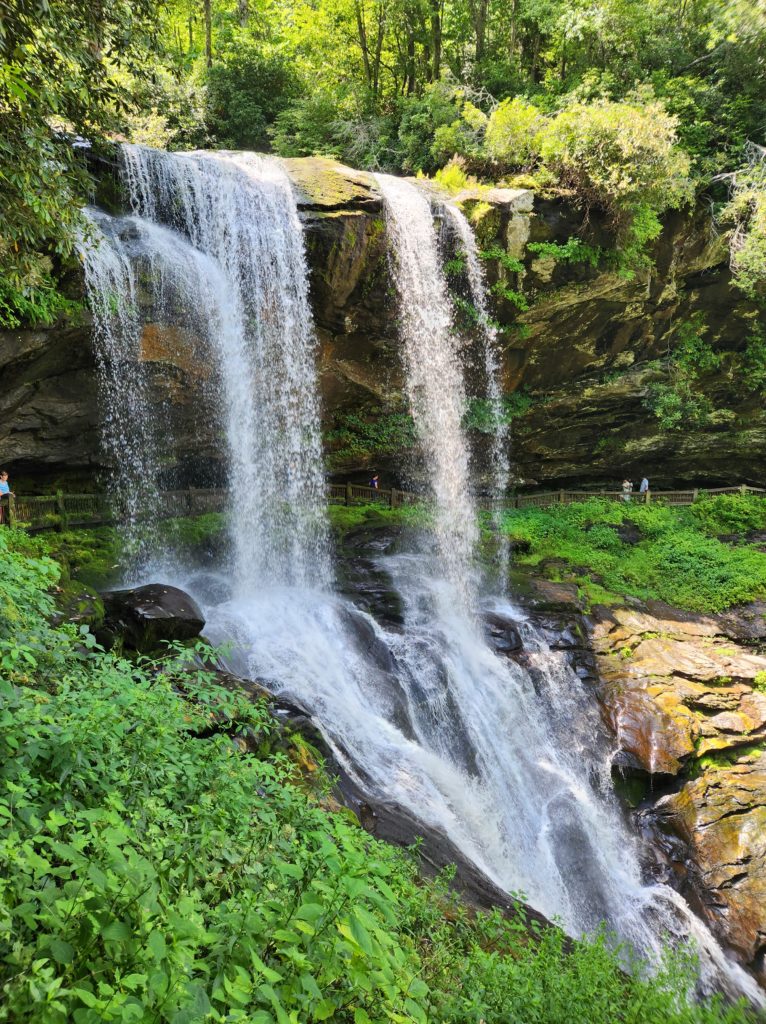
x,y
5,490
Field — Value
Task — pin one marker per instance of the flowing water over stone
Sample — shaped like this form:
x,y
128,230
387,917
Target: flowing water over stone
x,y
127,413
220,237
434,376
509,761
499,453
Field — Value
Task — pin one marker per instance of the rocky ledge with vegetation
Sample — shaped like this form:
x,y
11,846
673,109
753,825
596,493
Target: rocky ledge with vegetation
x,y
664,610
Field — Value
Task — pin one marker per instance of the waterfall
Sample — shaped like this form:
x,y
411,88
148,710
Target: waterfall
x,y
499,456
433,373
127,413
510,760
222,241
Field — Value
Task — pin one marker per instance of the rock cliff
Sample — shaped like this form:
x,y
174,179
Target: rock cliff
x,y
580,345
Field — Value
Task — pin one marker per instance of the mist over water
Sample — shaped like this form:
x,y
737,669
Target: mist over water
x,y
510,760
126,412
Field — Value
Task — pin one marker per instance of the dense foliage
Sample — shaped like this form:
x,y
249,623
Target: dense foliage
x,y
152,870
625,104
58,65
666,553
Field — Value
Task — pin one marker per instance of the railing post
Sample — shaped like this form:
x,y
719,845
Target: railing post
x,y
561,497
695,494
743,489
348,493
61,509
11,509
648,497
394,494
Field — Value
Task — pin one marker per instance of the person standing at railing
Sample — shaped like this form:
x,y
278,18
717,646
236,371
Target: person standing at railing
x,y
627,489
5,495
375,481
643,490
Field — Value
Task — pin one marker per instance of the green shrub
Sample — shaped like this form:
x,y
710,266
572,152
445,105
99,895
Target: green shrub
x,y
38,304
453,176
153,872
574,250
621,158
729,513
512,133
480,414
753,366
245,94
365,434
679,400
747,212
497,254
676,560
463,137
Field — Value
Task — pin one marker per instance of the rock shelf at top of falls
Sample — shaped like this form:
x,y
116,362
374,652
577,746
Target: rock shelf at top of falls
x,y
586,422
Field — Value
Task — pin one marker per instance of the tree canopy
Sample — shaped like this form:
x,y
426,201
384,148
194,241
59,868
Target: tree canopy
x,y
563,89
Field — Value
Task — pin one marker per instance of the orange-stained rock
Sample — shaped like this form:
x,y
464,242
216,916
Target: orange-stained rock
x,y
674,688
722,817
161,343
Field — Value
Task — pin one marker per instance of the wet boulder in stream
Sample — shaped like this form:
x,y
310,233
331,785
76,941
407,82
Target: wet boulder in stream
x,y
147,616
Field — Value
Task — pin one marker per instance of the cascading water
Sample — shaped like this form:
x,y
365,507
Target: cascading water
x,y
499,454
434,377
510,763
230,265
239,210
127,413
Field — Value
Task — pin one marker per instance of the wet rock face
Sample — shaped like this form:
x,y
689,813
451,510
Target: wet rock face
x,y
673,688
685,702
722,818
583,351
147,616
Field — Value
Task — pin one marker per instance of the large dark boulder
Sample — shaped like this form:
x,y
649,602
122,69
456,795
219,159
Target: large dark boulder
x,y
147,616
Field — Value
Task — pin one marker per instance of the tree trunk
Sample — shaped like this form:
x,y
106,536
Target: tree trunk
x,y
514,27
479,11
208,33
243,11
409,77
436,40
361,29
378,51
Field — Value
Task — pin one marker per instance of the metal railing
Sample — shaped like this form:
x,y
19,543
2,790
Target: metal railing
x,y
61,510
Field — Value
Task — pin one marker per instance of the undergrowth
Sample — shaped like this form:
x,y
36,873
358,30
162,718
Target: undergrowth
x,y
677,558
151,871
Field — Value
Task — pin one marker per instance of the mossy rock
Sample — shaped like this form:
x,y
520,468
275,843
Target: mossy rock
x,y
78,603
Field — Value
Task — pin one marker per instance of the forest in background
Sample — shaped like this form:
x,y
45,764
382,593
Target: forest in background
x,y
629,106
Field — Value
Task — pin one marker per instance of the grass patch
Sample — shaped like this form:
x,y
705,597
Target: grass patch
x,y
678,558
344,518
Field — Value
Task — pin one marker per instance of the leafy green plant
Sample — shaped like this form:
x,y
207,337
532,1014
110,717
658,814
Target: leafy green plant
x,y
574,250
163,859
360,435
36,305
622,158
512,133
480,414
497,254
680,400
516,298
676,560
